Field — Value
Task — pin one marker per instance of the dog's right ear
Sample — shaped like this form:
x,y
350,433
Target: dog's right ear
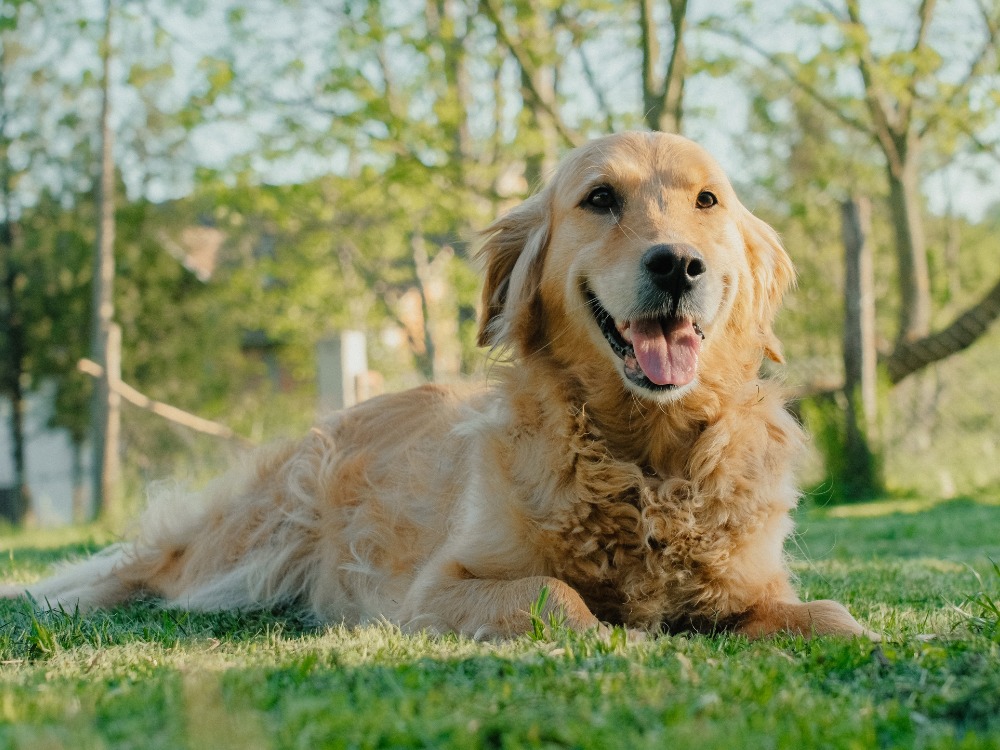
x,y
512,253
773,274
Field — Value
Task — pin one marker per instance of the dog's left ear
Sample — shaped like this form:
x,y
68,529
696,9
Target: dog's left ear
x,y
512,252
773,274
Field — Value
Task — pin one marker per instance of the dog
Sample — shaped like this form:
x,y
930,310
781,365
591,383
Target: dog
x,y
628,465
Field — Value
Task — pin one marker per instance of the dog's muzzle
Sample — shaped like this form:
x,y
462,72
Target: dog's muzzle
x,y
659,353
660,345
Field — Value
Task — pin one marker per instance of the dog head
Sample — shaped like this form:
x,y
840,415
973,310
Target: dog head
x,y
639,253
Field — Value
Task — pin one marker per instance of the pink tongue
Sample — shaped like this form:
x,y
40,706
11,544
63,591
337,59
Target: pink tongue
x,y
667,351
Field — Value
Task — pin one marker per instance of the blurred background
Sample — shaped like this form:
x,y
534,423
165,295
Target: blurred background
x,y
219,219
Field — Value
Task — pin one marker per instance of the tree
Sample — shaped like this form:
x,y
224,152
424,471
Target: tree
x,y
819,138
663,95
14,345
912,107
56,300
41,150
458,99
105,342
12,325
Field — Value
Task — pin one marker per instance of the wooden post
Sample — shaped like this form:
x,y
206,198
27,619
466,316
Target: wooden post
x,y
107,402
862,477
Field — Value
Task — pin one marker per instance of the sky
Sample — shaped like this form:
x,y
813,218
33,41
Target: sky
x,y
718,105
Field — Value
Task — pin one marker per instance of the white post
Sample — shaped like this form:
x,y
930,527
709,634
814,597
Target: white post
x,y
342,370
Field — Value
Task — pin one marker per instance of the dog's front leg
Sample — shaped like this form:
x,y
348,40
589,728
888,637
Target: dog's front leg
x,y
450,599
822,617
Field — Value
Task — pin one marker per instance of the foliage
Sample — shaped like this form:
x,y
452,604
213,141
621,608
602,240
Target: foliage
x,y
55,263
814,136
841,107
348,152
140,676
824,420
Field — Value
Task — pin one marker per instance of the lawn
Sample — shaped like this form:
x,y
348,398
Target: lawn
x,y
139,677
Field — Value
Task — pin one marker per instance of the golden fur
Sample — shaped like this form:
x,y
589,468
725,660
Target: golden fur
x,y
658,507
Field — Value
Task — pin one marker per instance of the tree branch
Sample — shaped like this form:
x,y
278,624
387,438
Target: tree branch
x,y
578,32
811,91
911,356
925,14
890,135
516,47
990,149
975,68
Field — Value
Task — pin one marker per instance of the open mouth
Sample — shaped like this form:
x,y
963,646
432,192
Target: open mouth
x,y
660,352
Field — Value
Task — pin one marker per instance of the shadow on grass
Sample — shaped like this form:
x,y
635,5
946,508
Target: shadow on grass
x,y
31,632
372,687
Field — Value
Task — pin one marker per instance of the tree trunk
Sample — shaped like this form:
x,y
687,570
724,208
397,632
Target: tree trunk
x,y
862,477
663,96
442,23
107,469
105,416
78,481
911,247
13,369
421,264
652,96
539,87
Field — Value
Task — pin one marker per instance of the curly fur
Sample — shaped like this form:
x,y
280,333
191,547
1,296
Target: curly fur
x,y
450,510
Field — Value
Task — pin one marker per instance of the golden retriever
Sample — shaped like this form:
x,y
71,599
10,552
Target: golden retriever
x,y
629,459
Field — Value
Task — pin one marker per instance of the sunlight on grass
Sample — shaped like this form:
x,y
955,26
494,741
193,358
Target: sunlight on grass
x,y
880,508
214,722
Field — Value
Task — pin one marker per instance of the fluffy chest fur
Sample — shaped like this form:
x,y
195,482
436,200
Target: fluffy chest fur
x,y
658,546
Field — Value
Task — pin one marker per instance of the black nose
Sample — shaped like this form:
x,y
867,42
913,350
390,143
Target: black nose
x,y
674,268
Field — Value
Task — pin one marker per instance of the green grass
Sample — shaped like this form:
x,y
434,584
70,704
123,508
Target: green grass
x,y
143,678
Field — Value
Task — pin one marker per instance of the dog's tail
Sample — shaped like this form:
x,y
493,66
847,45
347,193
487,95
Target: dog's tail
x,y
245,542
87,584
124,570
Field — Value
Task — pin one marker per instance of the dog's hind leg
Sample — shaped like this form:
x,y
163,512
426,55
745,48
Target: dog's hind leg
x,y
127,570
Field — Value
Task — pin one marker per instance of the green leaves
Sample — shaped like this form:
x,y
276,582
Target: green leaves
x,y
219,75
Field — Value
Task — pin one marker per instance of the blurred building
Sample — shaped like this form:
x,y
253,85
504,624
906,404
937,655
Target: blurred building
x,y
56,469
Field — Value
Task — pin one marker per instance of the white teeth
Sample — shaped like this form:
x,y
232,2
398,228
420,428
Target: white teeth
x,y
626,332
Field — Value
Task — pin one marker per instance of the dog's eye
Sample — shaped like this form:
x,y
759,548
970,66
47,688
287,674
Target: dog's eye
x,y
706,199
602,198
